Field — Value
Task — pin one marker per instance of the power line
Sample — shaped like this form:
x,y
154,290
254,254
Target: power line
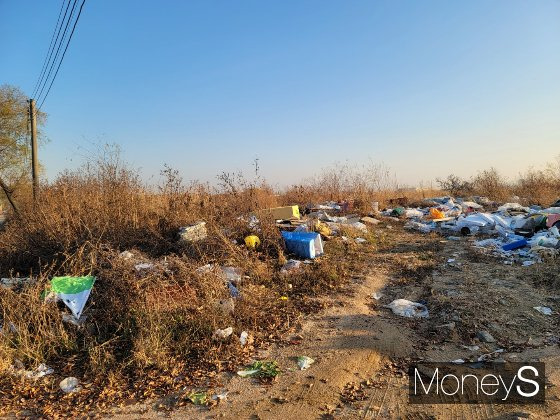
x,y
64,53
51,46
53,63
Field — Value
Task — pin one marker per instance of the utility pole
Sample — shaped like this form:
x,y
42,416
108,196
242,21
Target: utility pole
x,y
34,158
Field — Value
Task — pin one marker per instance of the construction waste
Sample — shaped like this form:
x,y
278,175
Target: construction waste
x,y
518,234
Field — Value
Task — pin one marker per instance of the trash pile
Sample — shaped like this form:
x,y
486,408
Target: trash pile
x,y
303,236
518,234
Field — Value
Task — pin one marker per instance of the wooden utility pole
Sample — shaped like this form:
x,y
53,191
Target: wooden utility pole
x,y
34,158
8,193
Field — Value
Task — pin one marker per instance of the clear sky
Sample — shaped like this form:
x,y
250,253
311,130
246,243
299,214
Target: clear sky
x,y
427,87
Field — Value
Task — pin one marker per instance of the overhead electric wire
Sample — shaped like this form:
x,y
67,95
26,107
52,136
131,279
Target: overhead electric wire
x,y
53,63
51,46
64,53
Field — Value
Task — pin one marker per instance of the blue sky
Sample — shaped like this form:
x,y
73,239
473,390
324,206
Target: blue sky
x,y
427,87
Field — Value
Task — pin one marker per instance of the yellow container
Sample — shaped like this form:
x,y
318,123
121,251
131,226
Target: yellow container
x,y
252,241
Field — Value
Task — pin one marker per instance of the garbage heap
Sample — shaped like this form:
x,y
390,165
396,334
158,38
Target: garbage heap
x,y
518,234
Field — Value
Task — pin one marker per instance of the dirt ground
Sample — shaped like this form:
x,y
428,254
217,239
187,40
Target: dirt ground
x,y
362,350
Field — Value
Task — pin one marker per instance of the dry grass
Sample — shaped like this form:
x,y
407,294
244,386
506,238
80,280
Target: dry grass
x,y
535,186
146,332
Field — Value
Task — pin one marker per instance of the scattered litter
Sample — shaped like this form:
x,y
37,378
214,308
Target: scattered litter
x,y
248,372
222,396
232,274
303,244
304,362
451,260
359,226
243,338
369,220
513,206
291,265
208,268
221,335
515,245
360,240
471,348
470,205
397,211
126,255
436,214
284,213
321,228
70,384
144,267
42,370
488,356
517,234
198,398
545,310
377,295
261,369
408,309
194,232
412,213
458,361
252,241
233,291
10,328
421,227
73,291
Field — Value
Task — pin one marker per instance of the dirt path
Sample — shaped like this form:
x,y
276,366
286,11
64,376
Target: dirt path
x,y
361,349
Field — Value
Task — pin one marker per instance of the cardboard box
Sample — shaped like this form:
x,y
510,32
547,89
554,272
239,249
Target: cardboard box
x,y
284,213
